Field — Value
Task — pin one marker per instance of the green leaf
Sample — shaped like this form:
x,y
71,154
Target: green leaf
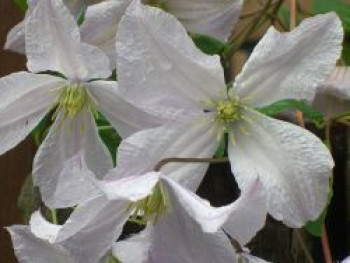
x,y
109,135
339,6
220,151
315,227
111,139
346,53
290,104
112,259
22,4
40,131
28,200
208,44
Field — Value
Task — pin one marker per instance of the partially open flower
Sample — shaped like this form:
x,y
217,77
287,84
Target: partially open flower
x,y
333,96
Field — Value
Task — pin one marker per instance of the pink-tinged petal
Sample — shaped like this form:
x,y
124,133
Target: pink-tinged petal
x,y
43,229
93,228
132,188
28,248
25,99
293,165
71,152
249,214
333,97
141,152
158,64
122,114
291,65
140,245
101,23
178,238
53,43
210,17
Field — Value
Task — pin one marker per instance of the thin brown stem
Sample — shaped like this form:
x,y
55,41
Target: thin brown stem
x,y
325,246
165,161
292,24
255,12
293,14
303,246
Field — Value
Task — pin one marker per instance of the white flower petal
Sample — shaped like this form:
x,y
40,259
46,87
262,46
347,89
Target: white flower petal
x,y
71,152
139,244
249,214
100,25
338,84
53,43
132,188
346,260
15,39
123,115
211,17
141,152
333,97
329,105
92,229
209,218
25,98
29,248
158,64
293,165
43,229
291,65
177,238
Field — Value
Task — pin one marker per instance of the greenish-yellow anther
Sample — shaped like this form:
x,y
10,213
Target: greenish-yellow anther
x,y
228,111
152,207
73,99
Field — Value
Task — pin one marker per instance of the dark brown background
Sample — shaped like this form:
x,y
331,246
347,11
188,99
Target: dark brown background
x,y
16,164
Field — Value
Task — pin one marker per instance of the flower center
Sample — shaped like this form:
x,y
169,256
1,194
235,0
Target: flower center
x,y
73,99
152,207
228,111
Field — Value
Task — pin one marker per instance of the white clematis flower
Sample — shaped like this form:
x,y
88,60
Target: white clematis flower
x,y
72,148
333,97
43,242
212,17
160,69
176,213
176,237
15,38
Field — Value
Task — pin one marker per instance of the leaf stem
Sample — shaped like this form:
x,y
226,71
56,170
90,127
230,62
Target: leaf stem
x,y
165,161
325,246
303,246
54,217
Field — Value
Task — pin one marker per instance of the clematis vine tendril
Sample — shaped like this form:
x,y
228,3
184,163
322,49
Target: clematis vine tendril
x,y
166,161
